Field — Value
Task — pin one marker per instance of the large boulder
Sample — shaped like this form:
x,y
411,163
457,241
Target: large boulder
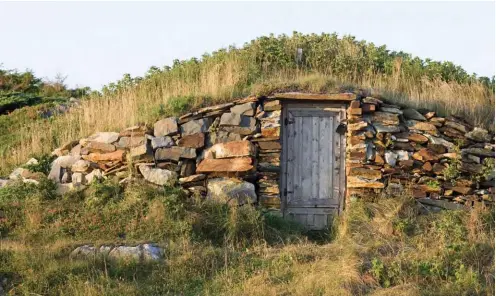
x,y
165,127
158,176
231,191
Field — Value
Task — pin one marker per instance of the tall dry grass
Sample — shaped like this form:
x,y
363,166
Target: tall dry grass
x,y
219,81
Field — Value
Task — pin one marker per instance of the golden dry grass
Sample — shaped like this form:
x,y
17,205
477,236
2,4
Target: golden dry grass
x,y
223,81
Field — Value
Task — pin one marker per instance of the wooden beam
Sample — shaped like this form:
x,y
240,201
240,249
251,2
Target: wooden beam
x,y
310,96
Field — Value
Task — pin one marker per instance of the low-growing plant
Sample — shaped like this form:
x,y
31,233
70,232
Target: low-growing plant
x,y
44,163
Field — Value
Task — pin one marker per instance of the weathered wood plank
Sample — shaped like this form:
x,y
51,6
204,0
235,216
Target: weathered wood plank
x,y
324,173
305,160
314,156
307,96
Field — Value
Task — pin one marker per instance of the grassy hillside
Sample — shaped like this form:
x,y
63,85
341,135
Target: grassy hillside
x,y
263,65
385,248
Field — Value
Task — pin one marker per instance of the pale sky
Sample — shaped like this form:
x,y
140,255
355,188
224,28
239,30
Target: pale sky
x,y
96,43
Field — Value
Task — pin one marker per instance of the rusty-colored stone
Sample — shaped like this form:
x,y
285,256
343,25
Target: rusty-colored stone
x,y
271,132
428,154
365,173
417,138
117,155
242,164
356,182
192,141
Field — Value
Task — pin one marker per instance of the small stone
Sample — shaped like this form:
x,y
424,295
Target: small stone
x,y
357,126
158,176
175,153
192,141
438,168
221,137
188,167
417,138
421,126
165,127
129,142
479,135
385,118
357,182
438,148
428,155
457,126
233,149
96,174
391,110
429,115
162,142
138,151
242,164
413,114
381,128
365,173
478,152
247,126
391,158
101,137
247,109
192,178
195,127
80,166
427,167
112,156
77,179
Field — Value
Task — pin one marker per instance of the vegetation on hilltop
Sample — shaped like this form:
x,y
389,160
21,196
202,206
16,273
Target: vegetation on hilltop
x,y
266,64
385,248
20,89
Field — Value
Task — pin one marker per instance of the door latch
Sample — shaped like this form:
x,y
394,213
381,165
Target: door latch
x,y
286,192
288,121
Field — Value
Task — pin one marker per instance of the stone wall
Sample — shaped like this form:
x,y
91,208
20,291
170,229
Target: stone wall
x,y
232,152
437,160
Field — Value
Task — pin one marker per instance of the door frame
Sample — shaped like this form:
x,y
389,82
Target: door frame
x,y
314,105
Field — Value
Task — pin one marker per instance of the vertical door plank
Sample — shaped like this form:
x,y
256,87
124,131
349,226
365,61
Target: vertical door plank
x,y
314,156
305,153
296,160
324,173
337,164
290,159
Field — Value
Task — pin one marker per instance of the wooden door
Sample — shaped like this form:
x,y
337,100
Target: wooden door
x,y
313,164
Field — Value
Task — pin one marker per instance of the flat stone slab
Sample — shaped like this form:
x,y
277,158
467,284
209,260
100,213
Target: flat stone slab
x,y
102,137
242,164
413,114
175,153
233,149
112,156
247,109
192,141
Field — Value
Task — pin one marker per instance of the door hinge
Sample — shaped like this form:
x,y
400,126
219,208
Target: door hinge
x,y
288,121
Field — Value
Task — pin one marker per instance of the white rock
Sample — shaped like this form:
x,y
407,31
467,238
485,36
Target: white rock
x,y
65,161
232,191
83,251
126,253
391,158
402,155
32,161
152,252
77,179
80,166
158,176
94,175
16,174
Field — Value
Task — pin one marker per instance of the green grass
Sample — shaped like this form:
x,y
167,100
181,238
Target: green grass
x,y
385,248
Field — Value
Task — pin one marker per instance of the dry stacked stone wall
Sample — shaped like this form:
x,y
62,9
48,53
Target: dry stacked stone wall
x,y
396,150
231,152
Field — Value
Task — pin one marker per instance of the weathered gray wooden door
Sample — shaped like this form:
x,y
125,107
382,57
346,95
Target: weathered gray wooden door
x,y
313,164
